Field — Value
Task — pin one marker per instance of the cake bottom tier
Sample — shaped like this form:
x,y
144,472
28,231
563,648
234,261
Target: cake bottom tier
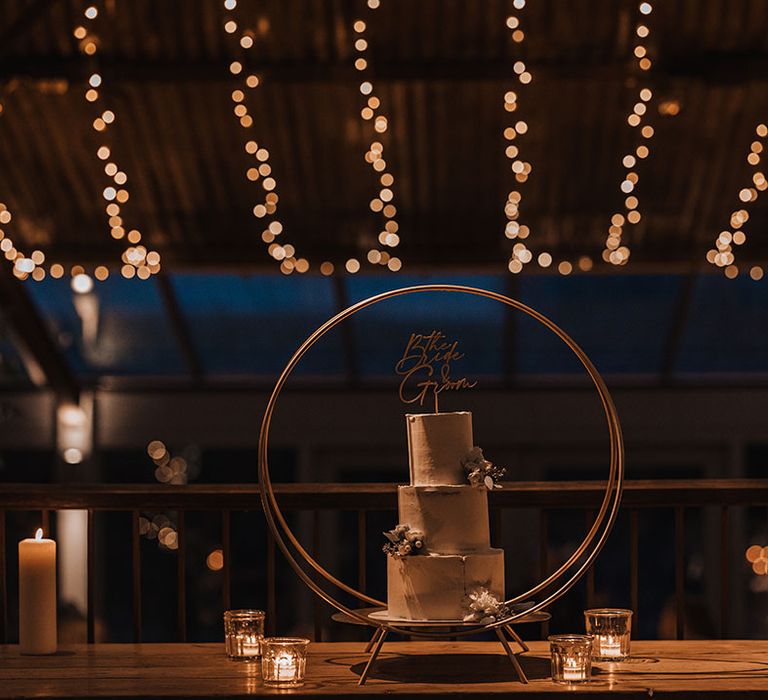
x,y
436,586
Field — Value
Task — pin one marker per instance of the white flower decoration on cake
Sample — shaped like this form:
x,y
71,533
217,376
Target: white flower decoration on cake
x,y
483,607
480,472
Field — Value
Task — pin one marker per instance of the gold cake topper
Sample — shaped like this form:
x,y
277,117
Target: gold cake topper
x,y
425,368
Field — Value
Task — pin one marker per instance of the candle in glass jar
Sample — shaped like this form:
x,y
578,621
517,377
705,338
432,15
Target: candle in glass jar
x,y
250,645
283,661
37,595
286,668
609,646
243,634
574,670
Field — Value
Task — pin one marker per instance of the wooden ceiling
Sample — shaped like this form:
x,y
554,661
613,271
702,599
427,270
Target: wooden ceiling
x,y
441,68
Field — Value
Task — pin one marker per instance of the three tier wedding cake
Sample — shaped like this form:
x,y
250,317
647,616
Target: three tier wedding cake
x,y
441,564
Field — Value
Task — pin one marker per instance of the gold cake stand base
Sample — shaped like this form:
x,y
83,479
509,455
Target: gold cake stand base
x,y
377,616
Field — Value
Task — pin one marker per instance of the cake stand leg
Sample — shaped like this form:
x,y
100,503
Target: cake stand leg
x,y
376,649
512,657
370,644
516,637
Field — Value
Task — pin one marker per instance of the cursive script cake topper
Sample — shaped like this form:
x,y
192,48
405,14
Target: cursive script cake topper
x,y
425,368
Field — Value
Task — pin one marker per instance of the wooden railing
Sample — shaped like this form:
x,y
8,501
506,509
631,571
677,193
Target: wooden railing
x,y
363,498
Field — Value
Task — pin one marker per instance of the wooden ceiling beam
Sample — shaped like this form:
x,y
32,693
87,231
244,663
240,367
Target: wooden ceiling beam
x,y
23,24
180,326
45,362
711,68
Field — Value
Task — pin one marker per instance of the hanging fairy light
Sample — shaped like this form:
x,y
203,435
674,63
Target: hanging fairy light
x,y
137,260
383,203
24,266
261,170
514,230
514,133
614,252
723,254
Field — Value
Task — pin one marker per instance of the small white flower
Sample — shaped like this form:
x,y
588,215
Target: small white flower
x,y
484,607
480,472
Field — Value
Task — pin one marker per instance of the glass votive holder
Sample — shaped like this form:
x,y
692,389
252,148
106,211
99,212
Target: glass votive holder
x,y
611,628
243,634
284,661
571,658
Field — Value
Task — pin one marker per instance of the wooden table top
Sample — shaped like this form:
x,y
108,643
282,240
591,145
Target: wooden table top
x,y
698,669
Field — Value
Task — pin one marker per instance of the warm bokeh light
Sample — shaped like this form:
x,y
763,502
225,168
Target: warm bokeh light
x,y
520,168
614,252
669,108
723,255
215,560
753,553
82,283
72,455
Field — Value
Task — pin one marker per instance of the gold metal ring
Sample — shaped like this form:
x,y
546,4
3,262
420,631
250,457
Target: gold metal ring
x,y
581,558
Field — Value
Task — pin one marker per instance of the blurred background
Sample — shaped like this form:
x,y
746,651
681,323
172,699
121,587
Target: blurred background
x,y
189,189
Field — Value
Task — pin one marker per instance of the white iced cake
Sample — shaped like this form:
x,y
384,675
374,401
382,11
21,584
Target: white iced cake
x,y
453,556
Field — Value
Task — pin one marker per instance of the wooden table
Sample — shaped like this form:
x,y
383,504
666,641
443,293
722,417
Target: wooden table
x,y
714,669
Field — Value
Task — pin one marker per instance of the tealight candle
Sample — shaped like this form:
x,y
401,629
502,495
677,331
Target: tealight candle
x,y
284,661
286,667
611,628
250,645
37,595
571,658
573,670
243,634
609,646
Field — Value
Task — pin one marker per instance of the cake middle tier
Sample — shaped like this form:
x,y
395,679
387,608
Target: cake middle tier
x,y
453,519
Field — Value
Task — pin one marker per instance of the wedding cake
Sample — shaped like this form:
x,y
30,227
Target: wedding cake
x,y
441,561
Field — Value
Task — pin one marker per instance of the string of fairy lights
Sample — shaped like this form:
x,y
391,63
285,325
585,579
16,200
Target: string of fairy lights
x,y
24,267
723,254
383,203
261,171
513,229
614,252
137,260
521,254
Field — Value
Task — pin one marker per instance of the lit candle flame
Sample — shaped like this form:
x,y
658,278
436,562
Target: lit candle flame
x,y
39,534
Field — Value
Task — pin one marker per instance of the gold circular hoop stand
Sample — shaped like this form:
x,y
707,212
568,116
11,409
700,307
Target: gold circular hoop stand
x,y
581,558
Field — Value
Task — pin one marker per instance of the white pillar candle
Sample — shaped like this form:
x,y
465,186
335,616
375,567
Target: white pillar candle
x,y
37,595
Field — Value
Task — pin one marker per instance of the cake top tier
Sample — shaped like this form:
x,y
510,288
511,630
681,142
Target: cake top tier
x,y
437,445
